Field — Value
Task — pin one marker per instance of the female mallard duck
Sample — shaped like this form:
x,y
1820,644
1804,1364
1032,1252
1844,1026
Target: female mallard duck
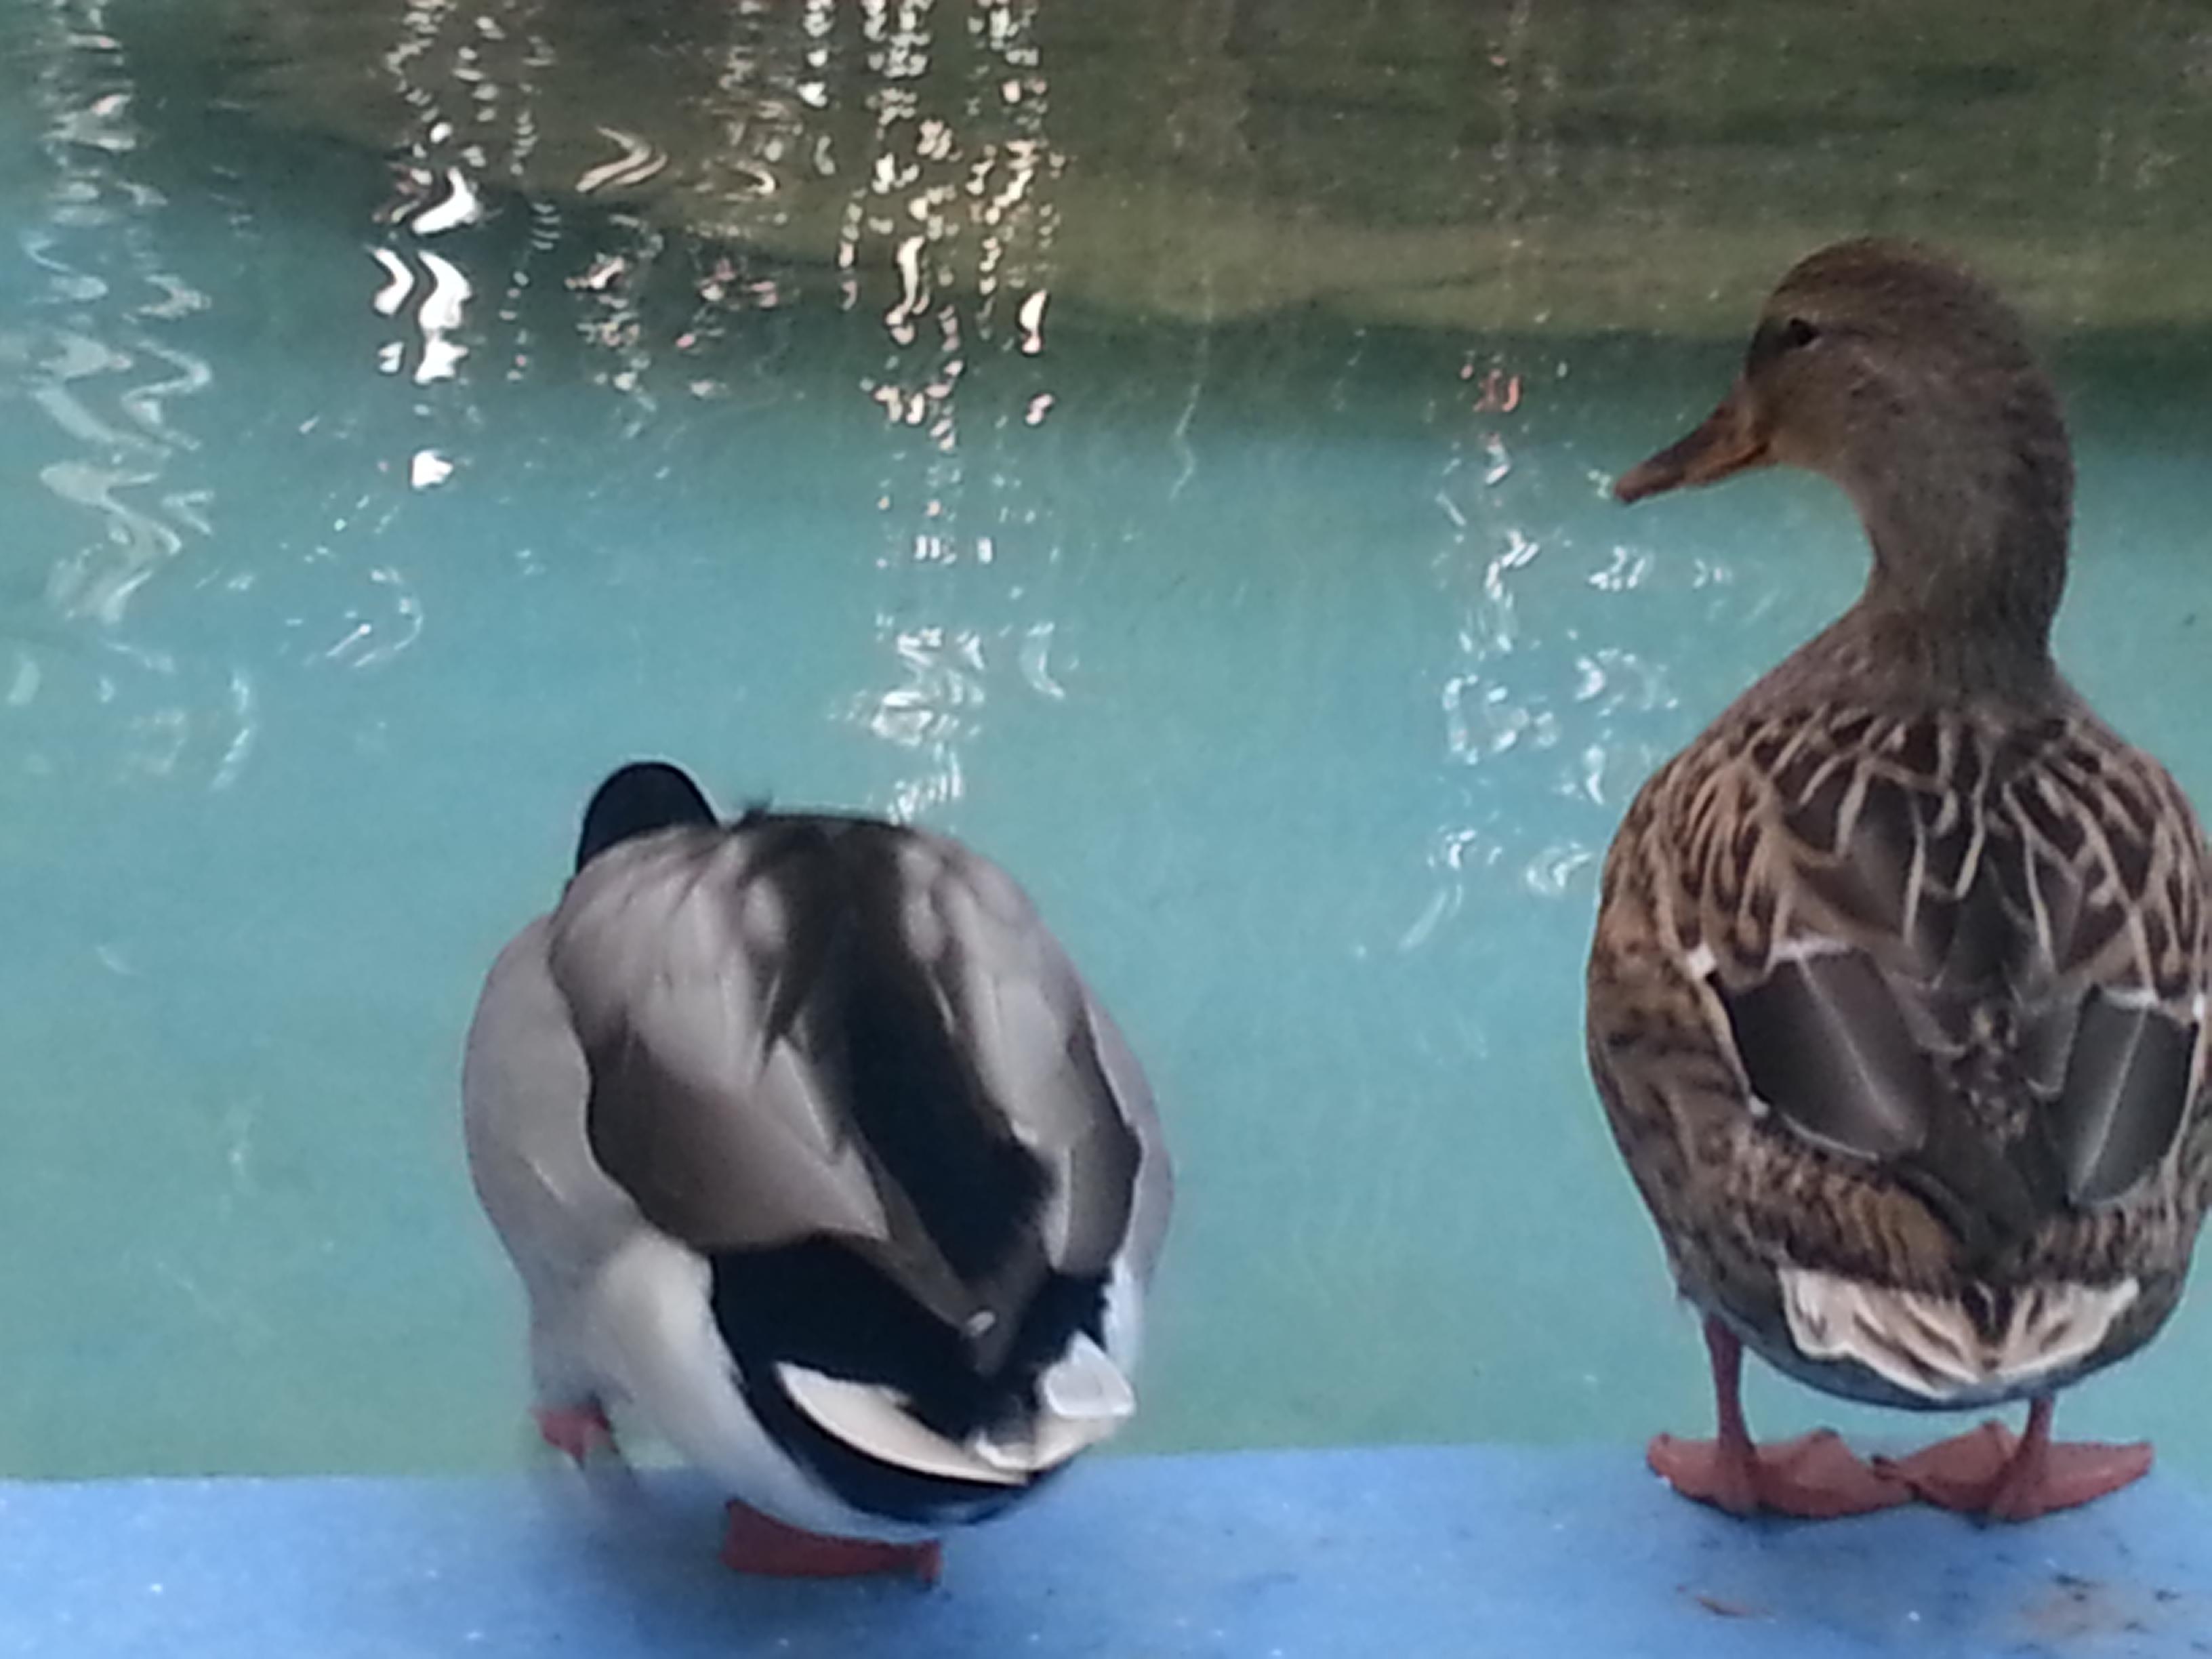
x,y
1897,1001
812,1150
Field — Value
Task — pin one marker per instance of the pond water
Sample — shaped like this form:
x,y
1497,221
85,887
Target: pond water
x,y
1171,455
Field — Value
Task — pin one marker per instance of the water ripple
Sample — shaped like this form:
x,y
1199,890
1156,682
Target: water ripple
x,y
101,363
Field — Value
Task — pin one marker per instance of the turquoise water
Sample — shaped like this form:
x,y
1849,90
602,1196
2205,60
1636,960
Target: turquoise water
x,y
1302,689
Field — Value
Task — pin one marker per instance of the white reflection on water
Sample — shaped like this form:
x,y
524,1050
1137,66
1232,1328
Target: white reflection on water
x,y
246,719
80,372
450,96
930,711
1036,662
102,358
1627,570
97,580
461,205
439,319
950,197
1512,687
640,159
370,642
925,129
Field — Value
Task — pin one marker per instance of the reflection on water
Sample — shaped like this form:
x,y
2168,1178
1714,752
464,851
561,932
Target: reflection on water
x,y
1495,164
924,139
1167,442
97,352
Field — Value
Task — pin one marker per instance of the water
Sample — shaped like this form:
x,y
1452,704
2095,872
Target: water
x,y
1253,595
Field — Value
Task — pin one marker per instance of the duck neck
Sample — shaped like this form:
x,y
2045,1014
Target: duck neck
x,y
1969,560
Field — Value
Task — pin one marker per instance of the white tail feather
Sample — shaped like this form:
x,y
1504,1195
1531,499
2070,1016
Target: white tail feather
x,y
1087,1387
1930,1346
1084,1396
871,1418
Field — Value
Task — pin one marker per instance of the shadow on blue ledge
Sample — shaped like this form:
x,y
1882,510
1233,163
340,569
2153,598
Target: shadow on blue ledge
x,y
1394,1553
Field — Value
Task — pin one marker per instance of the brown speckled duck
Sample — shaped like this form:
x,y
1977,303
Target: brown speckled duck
x,y
1897,1001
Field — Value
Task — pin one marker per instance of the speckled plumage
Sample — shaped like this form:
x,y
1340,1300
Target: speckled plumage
x,y
1733,847
1901,967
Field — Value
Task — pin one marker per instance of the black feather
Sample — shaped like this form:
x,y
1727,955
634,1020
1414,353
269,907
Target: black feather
x,y
823,1304
2127,1083
872,1020
638,800
1825,1043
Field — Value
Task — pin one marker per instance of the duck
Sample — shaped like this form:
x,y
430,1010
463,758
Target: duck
x,y
818,1161
1896,998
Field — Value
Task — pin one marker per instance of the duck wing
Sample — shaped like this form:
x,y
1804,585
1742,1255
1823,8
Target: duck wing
x,y
804,1029
1970,952
524,1086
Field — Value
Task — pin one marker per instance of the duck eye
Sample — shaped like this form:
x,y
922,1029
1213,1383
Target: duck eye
x,y
1798,333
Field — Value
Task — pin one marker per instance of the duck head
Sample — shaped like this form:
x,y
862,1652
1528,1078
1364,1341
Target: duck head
x,y
637,800
1908,381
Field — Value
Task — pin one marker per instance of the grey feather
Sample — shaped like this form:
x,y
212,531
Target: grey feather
x,y
666,1047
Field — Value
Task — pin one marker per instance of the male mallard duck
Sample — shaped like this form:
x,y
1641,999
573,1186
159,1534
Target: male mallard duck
x,y
1897,1001
812,1150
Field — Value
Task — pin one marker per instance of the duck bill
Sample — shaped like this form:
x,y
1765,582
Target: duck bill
x,y
1724,443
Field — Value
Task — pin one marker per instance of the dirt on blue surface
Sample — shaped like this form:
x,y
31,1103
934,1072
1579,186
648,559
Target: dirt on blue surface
x,y
1401,1552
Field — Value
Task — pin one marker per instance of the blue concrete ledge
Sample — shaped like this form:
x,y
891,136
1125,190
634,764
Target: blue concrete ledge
x,y
1386,1554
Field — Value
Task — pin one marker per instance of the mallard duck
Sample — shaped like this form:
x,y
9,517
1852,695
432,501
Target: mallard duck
x,y
1897,1000
812,1151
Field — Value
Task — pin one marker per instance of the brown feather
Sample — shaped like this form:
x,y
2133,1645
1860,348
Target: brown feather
x,y
1908,882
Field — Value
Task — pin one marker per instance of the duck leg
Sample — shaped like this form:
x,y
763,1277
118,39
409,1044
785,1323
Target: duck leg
x,y
759,1545
1815,1477
579,1430
1989,1471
